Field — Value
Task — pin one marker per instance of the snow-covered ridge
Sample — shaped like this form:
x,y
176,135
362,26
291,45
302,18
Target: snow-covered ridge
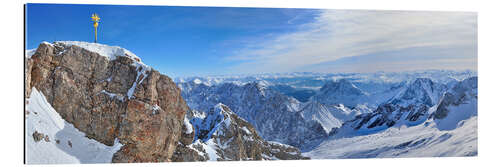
x,y
110,52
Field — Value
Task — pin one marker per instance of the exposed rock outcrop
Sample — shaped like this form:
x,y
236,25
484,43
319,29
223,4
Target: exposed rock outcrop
x,y
37,136
221,135
110,96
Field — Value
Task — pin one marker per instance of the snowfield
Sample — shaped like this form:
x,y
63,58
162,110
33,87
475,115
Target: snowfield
x,y
424,140
42,118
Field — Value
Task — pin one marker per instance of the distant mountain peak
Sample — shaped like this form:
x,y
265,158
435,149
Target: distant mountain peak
x,y
341,91
342,87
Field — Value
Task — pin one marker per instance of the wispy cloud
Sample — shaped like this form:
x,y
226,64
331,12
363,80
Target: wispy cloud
x,y
337,34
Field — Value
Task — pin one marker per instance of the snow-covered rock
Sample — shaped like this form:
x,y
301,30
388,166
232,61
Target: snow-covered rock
x,y
409,107
221,135
110,52
457,104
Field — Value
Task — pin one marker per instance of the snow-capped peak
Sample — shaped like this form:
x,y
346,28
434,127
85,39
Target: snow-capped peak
x,y
342,86
263,83
340,92
197,81
29,53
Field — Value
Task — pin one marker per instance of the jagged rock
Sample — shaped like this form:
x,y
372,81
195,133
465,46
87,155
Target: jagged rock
x,y
221,135
333,131
189,153
46,138
110,96
37,136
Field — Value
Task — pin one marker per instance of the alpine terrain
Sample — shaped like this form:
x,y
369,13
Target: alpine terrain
x,y
94,103
351,115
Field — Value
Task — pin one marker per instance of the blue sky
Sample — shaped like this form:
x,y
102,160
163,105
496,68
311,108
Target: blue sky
x,y
187,41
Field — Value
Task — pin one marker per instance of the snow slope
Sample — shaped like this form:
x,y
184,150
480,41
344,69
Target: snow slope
x,y
41,117
318,112
424,140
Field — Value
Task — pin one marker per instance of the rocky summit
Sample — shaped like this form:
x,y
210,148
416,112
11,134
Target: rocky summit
x,y
110,97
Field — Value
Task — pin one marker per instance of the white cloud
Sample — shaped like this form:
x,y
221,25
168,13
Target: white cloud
x,y
336,34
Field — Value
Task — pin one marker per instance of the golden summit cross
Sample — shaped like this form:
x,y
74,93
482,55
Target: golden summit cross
x,y
95,19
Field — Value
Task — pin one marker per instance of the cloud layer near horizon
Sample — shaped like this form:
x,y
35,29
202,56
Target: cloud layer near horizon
x,y
366,41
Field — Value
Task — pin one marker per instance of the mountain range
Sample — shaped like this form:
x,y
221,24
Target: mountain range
x,y
93,94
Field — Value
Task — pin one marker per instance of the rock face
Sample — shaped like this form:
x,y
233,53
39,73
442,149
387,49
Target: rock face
x,y
108,98
221,135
